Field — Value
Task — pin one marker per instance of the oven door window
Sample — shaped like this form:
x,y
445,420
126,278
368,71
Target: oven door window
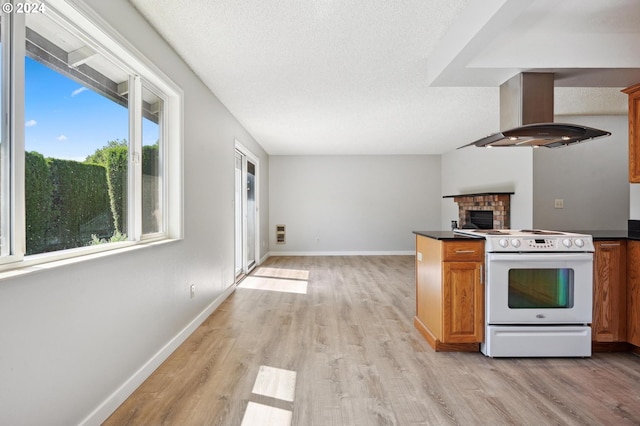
x,y
541,288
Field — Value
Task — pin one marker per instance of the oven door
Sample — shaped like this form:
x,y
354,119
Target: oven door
x,y
539,288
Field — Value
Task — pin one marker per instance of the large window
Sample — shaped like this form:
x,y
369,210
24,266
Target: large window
x,y
85,155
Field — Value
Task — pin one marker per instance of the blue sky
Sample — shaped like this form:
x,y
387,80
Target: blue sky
x,y
63,119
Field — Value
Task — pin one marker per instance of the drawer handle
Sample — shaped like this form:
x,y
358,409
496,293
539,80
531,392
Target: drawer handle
x,y
610,245
464,251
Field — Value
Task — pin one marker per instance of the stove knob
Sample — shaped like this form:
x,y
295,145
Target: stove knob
x,y
515,242
579,242
503,242
567,242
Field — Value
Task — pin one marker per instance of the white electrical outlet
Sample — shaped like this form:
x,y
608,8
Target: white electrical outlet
x,y
192,290
559,203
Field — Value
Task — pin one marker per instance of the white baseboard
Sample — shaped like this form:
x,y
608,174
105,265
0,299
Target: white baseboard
x,y
343,253
104,410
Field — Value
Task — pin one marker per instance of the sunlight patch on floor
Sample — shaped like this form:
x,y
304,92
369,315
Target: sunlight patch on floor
x,y
293,274
258,414
274,284
275,383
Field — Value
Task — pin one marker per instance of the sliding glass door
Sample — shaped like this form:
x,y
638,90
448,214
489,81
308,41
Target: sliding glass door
x,y
246,212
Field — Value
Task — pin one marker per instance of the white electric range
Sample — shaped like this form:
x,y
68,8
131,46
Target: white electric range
x,y
539,290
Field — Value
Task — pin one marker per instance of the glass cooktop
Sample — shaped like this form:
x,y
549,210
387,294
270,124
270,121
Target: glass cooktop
x,y
520,232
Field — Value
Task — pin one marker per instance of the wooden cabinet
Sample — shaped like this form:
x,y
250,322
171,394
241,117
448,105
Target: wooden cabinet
x,y
609,292
450,293
634,132
463,302
633,292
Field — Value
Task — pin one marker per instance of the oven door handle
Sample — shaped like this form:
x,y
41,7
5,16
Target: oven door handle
x,y
538,257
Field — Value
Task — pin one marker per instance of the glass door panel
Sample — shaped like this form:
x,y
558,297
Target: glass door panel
x,y
541,288
251,215
239,235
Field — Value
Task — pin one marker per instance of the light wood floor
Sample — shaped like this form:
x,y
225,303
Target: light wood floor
x,y
359,361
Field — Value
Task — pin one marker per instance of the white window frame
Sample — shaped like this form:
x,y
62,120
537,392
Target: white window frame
x,y
6,161
83,22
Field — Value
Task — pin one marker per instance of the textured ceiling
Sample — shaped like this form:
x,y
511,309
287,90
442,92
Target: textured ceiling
x,y
323,77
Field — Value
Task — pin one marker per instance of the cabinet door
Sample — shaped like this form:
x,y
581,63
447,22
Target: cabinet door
x,y
463,302
633,293
609,292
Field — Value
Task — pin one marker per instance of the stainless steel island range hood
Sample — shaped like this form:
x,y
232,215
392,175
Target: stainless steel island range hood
x,y
526,110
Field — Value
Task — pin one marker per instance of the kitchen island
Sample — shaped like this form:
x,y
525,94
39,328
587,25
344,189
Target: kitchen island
x,y
449,290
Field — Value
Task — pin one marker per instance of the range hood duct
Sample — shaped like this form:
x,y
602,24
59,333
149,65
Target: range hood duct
x,y
526,110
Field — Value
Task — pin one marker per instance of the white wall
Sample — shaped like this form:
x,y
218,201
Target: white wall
x,y
634,201
471,170
591,178
353,204
71,336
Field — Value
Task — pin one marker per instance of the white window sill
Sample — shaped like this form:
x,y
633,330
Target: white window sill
x,y
46,262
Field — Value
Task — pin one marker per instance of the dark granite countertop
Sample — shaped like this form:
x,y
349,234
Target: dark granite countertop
x,y
598,234
603,234
444,235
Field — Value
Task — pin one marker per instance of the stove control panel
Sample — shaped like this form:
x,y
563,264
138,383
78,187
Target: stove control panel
x,y
531,240
535,244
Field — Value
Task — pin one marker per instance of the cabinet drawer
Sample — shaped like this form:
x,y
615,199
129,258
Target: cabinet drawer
x,y
463,250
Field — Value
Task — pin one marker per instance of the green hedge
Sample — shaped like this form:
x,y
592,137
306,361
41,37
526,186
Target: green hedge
x,y
80,204
70,204
150,160
116,165
114,158
65,203
150,184
38,199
